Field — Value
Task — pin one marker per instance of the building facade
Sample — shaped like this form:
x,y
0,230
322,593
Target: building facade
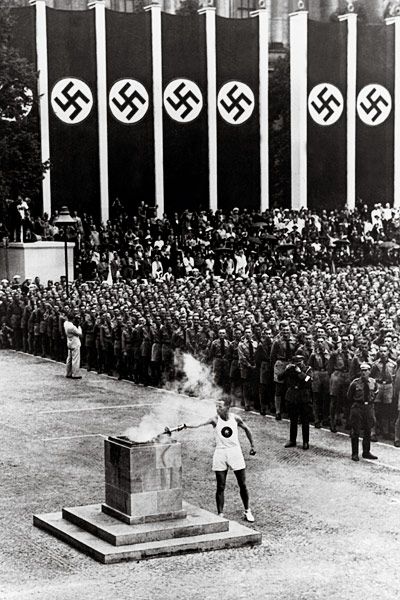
x,y
279,10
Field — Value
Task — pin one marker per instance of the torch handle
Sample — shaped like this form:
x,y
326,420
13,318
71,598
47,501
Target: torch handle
x,y
170,430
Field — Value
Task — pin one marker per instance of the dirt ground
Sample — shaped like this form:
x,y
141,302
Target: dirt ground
x,y
331,527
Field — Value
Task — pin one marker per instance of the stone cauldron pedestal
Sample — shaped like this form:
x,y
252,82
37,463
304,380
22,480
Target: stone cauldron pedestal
x,y
143,515
143,481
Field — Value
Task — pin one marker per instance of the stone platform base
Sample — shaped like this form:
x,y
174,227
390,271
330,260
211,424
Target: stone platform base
x,y
107,540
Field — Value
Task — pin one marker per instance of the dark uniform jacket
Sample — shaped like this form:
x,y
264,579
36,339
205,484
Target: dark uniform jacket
x,y
298,385
356,393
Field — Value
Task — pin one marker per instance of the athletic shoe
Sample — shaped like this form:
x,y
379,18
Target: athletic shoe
x,y
221,515
248,515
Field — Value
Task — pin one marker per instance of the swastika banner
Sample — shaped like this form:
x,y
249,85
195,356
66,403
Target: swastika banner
x,y
130,109
185,112
73,110
238,113
326,129
375,113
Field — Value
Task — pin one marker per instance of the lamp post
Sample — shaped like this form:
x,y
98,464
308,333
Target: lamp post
x,y
5,246
64,220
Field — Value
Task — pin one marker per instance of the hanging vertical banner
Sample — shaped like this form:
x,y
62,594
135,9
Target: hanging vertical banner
x,y
130,109
74,144
326,127
185,112
238,113
375,114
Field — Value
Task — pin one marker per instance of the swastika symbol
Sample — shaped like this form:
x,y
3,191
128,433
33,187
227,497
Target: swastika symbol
x,y
325,104
128,100
183,100
235,102
374,104
71,100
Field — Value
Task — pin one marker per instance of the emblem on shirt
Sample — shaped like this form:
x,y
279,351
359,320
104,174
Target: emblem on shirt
x,y
226,432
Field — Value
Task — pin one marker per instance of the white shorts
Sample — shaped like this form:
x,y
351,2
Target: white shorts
x,y
228,457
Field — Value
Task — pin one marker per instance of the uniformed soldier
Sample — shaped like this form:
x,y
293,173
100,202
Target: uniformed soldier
x,y
383,371
318,361
220,356
361,395
338,368
282,350
246,351
263,361
298,399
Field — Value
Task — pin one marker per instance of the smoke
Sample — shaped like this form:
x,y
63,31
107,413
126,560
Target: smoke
x,y
193,379
149,428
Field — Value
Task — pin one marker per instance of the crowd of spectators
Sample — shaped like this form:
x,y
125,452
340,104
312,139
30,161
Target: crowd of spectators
x,y
216,243
243,292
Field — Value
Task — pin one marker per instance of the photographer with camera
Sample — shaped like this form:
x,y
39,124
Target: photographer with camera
x,y
298,398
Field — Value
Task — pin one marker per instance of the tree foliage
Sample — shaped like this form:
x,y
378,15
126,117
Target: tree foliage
x,y
279,132
188,7
21,168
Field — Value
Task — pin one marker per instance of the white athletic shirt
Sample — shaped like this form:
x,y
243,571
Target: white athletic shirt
x,y
226,433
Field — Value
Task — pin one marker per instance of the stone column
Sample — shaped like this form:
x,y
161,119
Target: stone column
x,y
279,14
285,22
170,6
223,8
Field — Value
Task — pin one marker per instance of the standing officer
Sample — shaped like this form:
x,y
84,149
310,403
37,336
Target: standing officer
x,y
383,371
282,350
298,399
338,368
219,355
361,395
263,363
318,362
246,353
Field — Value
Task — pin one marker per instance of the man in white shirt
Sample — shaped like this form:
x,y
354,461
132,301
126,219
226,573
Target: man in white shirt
x,y
228,454
73,333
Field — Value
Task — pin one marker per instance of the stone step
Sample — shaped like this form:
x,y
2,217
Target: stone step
x,y
237,535
92,519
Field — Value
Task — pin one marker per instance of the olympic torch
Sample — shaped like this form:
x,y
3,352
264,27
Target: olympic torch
x,y
170,430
